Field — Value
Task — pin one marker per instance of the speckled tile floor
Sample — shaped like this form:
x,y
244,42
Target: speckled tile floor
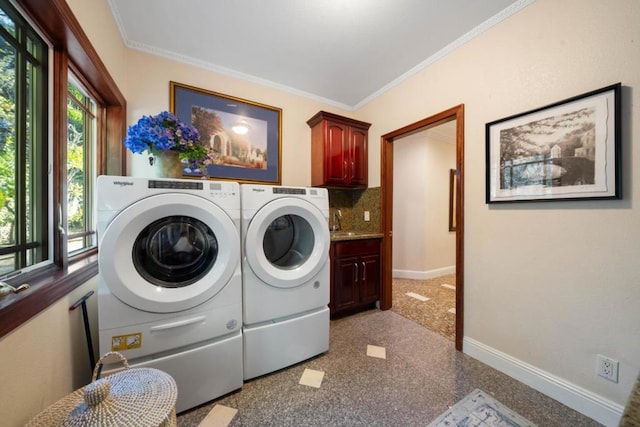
x,y
433,314
421,377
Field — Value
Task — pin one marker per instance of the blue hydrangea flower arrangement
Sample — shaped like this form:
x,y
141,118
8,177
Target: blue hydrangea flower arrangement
x,y
164,132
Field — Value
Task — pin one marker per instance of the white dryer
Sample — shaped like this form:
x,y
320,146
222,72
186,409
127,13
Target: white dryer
x,y
170,282
285,270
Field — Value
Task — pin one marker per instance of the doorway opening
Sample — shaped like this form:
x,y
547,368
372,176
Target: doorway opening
x,y
424,238
453,114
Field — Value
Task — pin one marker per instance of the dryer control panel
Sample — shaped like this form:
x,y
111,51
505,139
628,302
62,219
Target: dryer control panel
x,y
176,185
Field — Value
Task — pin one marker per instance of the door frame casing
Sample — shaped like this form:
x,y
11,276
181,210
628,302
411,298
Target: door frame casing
x,y
386,189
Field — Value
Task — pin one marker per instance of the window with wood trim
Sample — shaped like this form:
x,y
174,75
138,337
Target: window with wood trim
x,y
24,212
48,188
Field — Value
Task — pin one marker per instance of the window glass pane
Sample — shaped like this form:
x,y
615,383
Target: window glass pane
x,y
28,155
75,92
31,46
80,170
35,170
75,168
7,23
6,263
7,147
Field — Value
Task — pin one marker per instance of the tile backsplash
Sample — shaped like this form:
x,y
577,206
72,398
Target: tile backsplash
x,y
352,204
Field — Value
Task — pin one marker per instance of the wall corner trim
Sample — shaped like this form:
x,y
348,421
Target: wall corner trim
x,y
588,403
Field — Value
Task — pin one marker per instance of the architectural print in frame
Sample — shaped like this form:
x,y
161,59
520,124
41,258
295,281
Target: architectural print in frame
x,y
567,150
242,138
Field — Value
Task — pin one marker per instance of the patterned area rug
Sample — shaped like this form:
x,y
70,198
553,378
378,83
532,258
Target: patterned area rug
x,y
478,409
434,314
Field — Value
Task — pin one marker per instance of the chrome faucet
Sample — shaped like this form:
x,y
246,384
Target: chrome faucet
x,y
335,224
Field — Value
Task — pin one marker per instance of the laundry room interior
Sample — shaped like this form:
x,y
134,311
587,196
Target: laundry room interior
x,y
246,226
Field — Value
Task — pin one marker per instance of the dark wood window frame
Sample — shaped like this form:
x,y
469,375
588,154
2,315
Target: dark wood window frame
x,y
72,50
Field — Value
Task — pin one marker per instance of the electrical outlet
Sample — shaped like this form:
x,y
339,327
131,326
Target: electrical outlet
x,y
367,216
607,368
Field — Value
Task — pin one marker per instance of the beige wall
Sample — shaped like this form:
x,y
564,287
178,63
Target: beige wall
x,y
547,285
149,94
46,358
101,29
423,246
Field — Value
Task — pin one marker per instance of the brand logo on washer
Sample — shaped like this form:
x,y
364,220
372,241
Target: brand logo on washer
x,y
258,190
122,183
231,324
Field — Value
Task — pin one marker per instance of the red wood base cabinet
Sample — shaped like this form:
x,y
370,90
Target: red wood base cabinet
x,y
355,276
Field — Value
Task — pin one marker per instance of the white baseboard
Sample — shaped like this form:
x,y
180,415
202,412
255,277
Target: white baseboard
x,y
590,404
423,275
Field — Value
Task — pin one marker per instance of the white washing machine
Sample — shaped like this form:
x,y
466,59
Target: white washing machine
x,y
170,282
285,272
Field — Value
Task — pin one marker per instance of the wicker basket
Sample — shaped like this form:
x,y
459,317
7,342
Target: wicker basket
x,y
132,397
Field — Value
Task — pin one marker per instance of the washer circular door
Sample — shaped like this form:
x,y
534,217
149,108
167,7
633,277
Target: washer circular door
x,y
169,252
287,242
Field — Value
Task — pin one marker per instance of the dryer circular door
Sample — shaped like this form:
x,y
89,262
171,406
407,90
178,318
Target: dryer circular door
x,y
287,242
169,252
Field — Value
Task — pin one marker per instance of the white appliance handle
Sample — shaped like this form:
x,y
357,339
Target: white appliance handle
x,y
177,324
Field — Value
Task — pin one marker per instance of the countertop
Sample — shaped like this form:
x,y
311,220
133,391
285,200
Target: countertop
x,y
339,236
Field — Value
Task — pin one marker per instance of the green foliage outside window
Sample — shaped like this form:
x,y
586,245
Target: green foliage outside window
x,y
23,143
80,138
7,142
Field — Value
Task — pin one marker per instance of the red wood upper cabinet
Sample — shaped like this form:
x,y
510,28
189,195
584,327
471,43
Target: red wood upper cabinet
x,y
338,151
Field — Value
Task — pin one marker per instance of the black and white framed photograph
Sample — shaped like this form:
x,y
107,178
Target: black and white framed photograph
x,y
564,151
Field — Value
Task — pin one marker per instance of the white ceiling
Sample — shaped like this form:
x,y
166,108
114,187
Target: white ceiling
x,y
340,52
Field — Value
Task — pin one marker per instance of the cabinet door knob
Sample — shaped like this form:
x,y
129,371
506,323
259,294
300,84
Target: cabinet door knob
x,y
364,272
356,264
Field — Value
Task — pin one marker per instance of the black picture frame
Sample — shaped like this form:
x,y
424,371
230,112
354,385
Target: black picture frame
x,y
568,150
